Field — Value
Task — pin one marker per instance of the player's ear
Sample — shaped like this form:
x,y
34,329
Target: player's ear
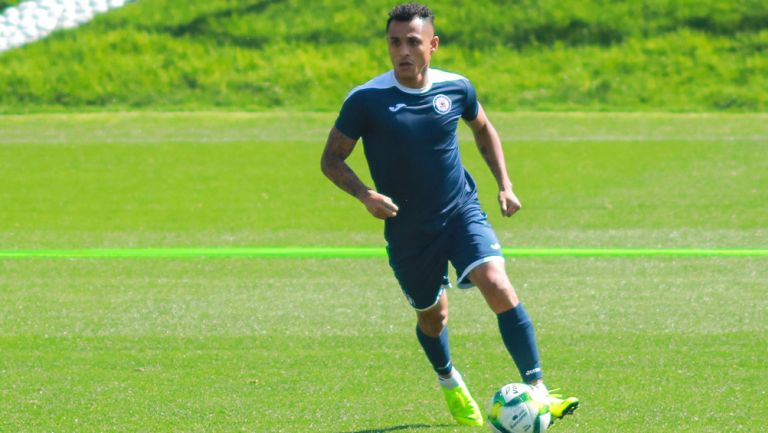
x,y
434,43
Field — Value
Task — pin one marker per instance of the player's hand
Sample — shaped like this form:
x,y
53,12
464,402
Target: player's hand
x,y
379,205
508,202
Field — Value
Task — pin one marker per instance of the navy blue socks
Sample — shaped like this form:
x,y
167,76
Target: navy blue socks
x,y
517,332
437,350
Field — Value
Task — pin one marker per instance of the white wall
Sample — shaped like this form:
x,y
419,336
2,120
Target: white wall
x,y
35,19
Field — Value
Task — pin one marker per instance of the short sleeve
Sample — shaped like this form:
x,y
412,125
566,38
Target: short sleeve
x,y
351,120
471,107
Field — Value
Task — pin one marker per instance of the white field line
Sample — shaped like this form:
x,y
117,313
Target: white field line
x,y
224,127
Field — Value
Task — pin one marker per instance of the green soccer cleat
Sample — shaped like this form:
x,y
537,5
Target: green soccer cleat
x,y
463,407
560,407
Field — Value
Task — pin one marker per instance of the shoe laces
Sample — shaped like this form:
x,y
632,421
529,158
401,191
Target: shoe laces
x,y
554,394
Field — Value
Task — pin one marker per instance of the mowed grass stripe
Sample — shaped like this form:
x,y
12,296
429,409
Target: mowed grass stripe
x,y
363,252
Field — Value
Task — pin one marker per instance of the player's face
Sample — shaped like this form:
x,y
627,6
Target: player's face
x,y
411,45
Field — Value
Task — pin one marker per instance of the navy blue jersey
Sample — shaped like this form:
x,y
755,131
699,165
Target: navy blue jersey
x,y
410,143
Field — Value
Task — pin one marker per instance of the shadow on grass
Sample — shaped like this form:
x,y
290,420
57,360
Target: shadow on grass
x,y
398,427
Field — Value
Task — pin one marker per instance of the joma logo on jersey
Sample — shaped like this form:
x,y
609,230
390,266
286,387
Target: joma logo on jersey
x,y
442,104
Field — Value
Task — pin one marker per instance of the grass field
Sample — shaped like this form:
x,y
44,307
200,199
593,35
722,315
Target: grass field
x,y
326,345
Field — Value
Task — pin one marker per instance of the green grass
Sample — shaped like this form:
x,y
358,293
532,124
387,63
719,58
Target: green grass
x,y
235,179
270,346
327,345
596,55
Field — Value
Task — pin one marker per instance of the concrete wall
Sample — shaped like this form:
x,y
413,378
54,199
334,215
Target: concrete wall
x,y
35,19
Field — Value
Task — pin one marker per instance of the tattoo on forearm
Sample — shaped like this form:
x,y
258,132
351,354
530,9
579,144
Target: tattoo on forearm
x,y
342,175
334,166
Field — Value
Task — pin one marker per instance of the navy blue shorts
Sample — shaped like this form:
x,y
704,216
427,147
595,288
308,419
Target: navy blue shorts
x,y
467,241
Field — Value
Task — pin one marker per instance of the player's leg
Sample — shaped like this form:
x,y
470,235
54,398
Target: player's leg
x,y
476,254
517,330
514,323
423,278
432,332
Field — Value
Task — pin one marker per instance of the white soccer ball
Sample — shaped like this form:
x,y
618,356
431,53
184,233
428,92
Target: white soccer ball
x,y
518,408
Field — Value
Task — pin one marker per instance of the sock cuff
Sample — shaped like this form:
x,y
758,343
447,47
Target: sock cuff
x,y
445,370
515,315
421,333
451,382
541,388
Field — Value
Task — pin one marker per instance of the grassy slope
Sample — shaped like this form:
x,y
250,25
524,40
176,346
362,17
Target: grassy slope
x,y
543,55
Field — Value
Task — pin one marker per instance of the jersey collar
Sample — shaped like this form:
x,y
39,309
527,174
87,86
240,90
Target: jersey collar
x,y
424,89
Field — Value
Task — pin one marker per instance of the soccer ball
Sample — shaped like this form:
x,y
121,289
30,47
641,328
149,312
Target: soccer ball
x,y
518,408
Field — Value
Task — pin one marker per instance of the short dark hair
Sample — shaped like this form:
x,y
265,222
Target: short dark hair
x,y
408,11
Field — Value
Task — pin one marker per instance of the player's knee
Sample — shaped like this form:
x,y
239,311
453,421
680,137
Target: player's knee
x,y
499,292
432,329
504,286
496,280
432,323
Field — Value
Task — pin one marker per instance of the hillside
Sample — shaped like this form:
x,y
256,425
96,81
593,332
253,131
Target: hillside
x,y
592,55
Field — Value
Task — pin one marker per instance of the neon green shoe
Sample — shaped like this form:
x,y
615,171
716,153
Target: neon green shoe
x,y
559,406
463,407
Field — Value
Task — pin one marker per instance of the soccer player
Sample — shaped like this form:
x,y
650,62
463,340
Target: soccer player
x,y
407,118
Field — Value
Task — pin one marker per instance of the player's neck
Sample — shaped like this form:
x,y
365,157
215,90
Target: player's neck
x,y
420,81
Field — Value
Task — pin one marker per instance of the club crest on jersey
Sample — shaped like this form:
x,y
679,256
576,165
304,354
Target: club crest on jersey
x,y
442,104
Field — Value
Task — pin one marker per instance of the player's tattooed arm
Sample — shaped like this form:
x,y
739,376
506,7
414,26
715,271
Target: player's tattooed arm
x,y
334,166
489,145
